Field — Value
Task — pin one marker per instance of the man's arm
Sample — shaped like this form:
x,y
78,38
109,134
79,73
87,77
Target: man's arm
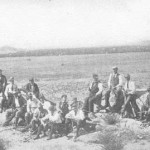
x,y
100,87
6,91
109,81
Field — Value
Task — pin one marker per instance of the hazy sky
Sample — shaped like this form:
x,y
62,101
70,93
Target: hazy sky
x,y
35,24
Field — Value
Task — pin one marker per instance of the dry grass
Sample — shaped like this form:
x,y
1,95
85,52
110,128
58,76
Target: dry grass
x,y
2,144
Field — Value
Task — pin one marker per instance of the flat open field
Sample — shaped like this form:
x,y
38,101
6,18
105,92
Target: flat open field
x,y
57,75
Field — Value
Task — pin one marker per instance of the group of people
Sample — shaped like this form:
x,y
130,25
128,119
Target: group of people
x,y
39,115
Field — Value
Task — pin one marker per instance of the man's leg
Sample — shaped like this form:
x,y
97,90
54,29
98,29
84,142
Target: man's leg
x,y
143,110
135,106
93,100
40,129
10,114
51,131
28,118
67,123
86,106
3,104
107,95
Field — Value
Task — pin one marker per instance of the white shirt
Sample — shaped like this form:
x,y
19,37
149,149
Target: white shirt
x,y
17,102
32,105
100,87
55,117
78,116
131,87
9,89
110,80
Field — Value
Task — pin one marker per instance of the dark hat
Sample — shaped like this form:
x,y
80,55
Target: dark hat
x,y
11,79
95,75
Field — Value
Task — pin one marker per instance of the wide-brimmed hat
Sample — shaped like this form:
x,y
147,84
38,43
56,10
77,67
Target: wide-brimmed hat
x,y
11,79
127,76
115,67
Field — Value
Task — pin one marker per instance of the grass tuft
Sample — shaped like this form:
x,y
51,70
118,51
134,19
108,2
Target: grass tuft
x,y
111,119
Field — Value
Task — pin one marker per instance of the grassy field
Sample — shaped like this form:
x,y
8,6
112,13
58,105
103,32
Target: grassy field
x,y
71,74
57,75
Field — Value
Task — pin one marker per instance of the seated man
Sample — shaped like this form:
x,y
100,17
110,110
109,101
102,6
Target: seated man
x,y
63,105
32,87
145,110
95,94
77,116
114,84
50,121
38,113
130,96
32,104
10,90
17,110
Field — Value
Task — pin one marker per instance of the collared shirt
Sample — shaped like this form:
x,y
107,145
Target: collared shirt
x,y
110,80
55,117
79,115
32,105
100,87
10,88
130,87
17,102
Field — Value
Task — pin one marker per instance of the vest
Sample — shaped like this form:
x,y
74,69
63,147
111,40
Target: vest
x,y
94,89
115,80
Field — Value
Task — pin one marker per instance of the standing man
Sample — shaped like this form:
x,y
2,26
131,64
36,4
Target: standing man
x,y
32,87
130,94
95,94
114,83
3,83
10,90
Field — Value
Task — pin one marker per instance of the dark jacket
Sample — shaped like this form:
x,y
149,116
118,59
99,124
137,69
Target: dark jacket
x,y
22,102
3,83
35,89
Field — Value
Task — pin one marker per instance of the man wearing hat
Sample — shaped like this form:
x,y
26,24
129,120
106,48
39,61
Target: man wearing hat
x,y
114,83
17,110
95,94
145,110
50,121
3,82
10,90
130,96
32,87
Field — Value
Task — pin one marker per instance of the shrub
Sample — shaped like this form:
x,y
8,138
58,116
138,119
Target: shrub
x,y
2,145
111,119
110,141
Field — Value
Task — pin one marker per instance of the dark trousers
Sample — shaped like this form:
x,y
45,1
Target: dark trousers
x,y
131,98
3,104
89,102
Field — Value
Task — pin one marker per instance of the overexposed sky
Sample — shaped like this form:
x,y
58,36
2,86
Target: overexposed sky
x,y
33,24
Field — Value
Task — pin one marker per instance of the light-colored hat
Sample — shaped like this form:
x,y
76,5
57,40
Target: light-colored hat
x,y
114,67
127,76
11,79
